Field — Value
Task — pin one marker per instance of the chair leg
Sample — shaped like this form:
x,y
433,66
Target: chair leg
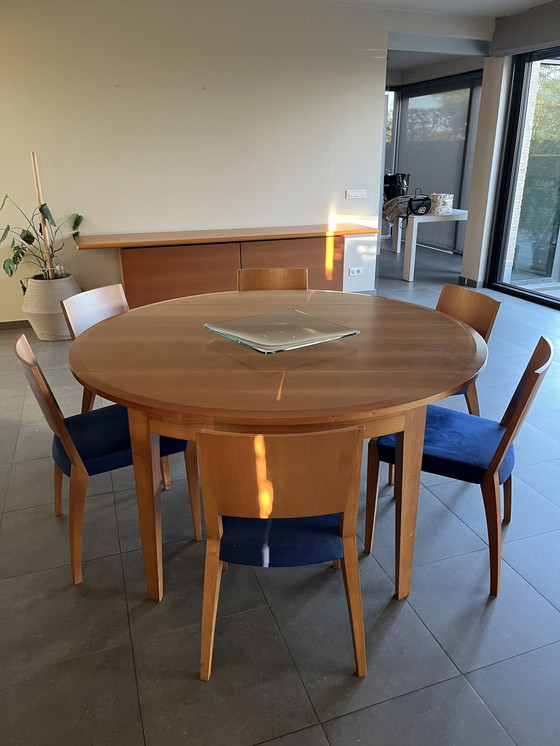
x,y
391,474
57,491
471,397
191,467
351,575
88,399
507,500
78,488
492,508
335,564
372,489
165,472
211,592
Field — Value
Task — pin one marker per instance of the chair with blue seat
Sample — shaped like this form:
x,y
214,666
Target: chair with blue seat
x,y
280,501
84,445
478,311
472,449
90,307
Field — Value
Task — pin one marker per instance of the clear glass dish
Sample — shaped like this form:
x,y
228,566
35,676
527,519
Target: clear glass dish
x,y
280,330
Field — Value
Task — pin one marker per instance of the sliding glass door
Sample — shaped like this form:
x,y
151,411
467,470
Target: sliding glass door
x,y
528,237
437,126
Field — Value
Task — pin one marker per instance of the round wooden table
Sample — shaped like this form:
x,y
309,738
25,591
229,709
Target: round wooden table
x,y
176,377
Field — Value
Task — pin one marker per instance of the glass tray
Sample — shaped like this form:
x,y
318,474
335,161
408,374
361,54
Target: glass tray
x,y
280,330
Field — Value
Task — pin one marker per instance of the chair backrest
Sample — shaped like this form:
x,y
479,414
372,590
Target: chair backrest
x,y
45,397
272,278
522,398
472,308
280,476
85,309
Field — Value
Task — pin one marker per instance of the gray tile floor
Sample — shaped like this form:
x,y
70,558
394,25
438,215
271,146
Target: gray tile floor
x,y
99,664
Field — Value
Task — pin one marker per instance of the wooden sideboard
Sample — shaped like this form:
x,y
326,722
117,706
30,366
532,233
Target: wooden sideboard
x,y
160,266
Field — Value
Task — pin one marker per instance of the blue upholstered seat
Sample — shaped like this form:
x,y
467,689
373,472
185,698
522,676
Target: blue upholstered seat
x,y
102,439
281,542
456,445
471,449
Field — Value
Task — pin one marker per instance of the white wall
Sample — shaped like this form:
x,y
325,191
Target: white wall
x,y
186,114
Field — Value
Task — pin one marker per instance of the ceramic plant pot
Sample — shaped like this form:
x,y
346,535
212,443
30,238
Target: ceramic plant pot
x,y
41,306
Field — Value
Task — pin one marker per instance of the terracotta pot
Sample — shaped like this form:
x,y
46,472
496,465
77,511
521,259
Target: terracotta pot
x,y
41,305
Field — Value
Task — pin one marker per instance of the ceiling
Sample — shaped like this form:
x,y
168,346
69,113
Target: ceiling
x,y
487,8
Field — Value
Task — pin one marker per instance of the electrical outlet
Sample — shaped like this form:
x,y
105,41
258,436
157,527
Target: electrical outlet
x,y
355,271
356,193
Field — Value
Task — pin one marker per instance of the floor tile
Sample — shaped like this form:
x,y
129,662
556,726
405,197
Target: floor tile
x,y
10,411
439,533
523,693
34,441
402,654
536,560
543,477
46,536
531,513
46,619
176,516
450,712
8,440
475,629
31,484
254,693
87,700
314,736
5,470
181,606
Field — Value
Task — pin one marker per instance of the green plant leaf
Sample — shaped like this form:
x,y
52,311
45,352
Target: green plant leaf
x,y
78,220
46,213
9,267
4,201
5,233
27,236
19,253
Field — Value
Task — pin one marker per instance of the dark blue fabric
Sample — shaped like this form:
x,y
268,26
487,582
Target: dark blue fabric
x,y
102,439
291,542
456,445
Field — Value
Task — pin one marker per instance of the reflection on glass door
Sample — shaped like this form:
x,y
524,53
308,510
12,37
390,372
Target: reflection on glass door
x,y
531,259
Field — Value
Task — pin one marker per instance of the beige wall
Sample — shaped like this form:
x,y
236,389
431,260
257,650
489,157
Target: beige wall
x,y
186,114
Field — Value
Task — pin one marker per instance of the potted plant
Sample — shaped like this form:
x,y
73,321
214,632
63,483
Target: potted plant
x,y
37,242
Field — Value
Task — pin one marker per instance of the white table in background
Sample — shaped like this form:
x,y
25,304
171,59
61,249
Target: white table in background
x,y
412,233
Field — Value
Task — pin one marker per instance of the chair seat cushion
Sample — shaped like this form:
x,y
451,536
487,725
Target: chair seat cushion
x,y
456,445
281,542
102,439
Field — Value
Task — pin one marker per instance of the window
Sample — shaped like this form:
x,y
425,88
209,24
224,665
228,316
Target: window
x,y
525,255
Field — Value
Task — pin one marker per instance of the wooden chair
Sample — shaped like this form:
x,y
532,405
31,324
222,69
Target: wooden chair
x,y
83,445
276,278
472,449
249,481
88,308
477,311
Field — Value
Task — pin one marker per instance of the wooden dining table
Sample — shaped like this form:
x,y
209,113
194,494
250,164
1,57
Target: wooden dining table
x,y
177,377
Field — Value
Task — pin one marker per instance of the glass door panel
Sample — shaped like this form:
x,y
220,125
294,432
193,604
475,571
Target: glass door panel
x,y
531,259
432,149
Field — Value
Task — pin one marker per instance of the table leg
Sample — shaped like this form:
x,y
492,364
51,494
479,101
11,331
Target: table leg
x,y
145,456
410,249
407,484
397,236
